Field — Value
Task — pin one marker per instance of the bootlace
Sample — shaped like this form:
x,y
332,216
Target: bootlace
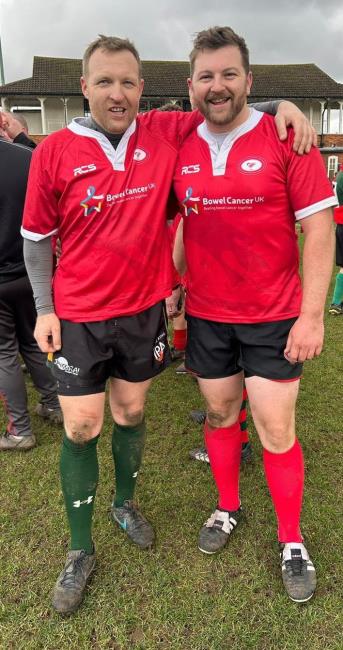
x,y
221,521
296,565
72,569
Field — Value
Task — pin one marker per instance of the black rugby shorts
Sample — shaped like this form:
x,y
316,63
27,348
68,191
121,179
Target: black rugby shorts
x,y
216,350
133,348
339,245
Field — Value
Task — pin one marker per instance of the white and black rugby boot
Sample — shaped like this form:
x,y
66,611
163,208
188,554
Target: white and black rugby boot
x,y
216,531
298,572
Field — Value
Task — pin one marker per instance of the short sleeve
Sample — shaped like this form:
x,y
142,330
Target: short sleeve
x,y
40,218
308,187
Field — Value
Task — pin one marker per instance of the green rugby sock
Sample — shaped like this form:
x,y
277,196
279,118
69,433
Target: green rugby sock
x,y
338,291
79,478
127,449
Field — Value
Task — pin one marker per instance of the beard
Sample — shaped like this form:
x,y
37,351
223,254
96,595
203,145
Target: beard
x,y
228,113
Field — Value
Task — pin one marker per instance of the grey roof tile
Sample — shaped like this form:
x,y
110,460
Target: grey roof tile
x,y
60,76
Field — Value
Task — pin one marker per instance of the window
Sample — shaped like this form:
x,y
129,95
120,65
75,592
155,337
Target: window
x,y
334,120
54,125
332,166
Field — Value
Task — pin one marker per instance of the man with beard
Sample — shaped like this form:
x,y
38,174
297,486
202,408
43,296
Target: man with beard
x,y
242,191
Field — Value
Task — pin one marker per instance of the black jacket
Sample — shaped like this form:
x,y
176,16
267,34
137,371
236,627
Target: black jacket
x,y
14,168
22,138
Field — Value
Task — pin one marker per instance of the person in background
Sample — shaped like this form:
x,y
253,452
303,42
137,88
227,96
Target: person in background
x,y
17,310
15,125
336,307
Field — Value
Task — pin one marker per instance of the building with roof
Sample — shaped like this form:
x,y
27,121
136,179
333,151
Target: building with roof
x,y
52,96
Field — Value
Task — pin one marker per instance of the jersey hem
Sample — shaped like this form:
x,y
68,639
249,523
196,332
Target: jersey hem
x,y
240,320
87,317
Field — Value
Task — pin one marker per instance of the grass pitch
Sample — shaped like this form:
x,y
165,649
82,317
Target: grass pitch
x,y
174,597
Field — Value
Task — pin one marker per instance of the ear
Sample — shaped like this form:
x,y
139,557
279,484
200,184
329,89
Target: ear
x,y
190,92
249,82
84,87
141,87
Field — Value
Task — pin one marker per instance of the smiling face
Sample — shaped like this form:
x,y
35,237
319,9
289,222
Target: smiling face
x,y
113,88
219,88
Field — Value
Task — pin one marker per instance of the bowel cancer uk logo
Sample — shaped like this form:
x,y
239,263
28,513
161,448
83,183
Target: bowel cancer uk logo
x,y
92,202
190,203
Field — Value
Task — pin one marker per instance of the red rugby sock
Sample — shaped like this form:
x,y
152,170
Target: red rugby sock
x,y
285,478
224,450
180,339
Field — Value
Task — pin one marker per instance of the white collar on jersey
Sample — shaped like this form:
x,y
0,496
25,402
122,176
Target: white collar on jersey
x,y
115,156
219,155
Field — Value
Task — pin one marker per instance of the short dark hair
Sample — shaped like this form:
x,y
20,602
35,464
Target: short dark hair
x,y
20,118
170,106
216,37
110,44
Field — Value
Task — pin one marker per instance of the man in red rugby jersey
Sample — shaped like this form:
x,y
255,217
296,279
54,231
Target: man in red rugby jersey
x,y
242,190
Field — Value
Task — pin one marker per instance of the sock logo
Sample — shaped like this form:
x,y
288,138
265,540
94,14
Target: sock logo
x,y
77,504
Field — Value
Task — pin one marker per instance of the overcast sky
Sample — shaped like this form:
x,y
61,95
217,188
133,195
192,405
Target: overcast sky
x,y
287,31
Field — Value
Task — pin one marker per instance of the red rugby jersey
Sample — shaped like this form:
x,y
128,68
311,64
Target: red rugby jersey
x,y
108,207
239,208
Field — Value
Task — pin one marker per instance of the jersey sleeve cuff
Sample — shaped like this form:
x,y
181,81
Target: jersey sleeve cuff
x,y
330,202
34,236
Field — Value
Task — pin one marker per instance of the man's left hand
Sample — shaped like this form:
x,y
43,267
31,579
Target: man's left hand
x,y
305,340
305,135
174,303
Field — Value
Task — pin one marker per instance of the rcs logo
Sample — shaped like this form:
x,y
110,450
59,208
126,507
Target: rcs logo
x,y
190,169
84,169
